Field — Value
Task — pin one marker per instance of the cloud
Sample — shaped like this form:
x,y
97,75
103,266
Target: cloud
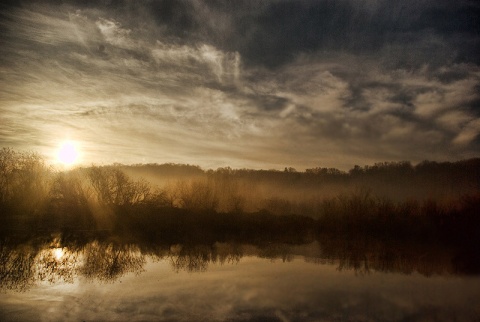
x,y
249,84
272,33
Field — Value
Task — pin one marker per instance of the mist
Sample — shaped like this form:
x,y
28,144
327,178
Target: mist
x,y
429,197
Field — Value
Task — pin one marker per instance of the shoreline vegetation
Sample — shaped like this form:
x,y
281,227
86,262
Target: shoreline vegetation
x,y
426,206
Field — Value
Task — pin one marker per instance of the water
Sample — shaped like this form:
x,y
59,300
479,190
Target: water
x,y
326,280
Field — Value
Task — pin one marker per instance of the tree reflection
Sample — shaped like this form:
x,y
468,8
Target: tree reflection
x,y
108,261
53,266
274,251
27,262
23,266
225,253
196,258
191,259
17,267
365,255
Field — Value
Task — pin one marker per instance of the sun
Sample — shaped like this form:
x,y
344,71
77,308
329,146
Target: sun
x,y
67,153
58,253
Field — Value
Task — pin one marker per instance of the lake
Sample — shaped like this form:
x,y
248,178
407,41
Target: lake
x,y
324,280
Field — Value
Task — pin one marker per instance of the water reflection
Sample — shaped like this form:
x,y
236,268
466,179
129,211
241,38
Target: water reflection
x,y
196,258
364,255
25,263
109,261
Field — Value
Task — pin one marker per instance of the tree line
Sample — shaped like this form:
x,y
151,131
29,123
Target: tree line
x,y
429,201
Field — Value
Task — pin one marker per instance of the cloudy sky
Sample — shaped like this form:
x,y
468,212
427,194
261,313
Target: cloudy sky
x,y
255,84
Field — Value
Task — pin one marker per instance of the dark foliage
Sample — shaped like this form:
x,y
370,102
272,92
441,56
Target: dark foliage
x,y
242,206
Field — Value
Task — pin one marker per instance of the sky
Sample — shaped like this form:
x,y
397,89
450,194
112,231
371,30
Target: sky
x,y
247,84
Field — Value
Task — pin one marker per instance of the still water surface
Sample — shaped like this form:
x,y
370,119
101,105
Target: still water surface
x,y
105,281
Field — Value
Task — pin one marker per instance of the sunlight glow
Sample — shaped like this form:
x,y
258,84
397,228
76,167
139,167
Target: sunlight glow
x,y
67,153
58,253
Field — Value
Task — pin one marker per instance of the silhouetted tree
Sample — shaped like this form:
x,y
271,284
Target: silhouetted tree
x,y
24,182
114,187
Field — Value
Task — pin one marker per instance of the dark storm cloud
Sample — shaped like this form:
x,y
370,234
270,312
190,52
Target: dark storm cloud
x,y
272,33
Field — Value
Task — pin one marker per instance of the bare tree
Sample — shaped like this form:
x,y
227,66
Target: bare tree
x,y
114,187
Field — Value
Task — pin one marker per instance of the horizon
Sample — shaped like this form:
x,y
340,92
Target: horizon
x,y
256,85
57,164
